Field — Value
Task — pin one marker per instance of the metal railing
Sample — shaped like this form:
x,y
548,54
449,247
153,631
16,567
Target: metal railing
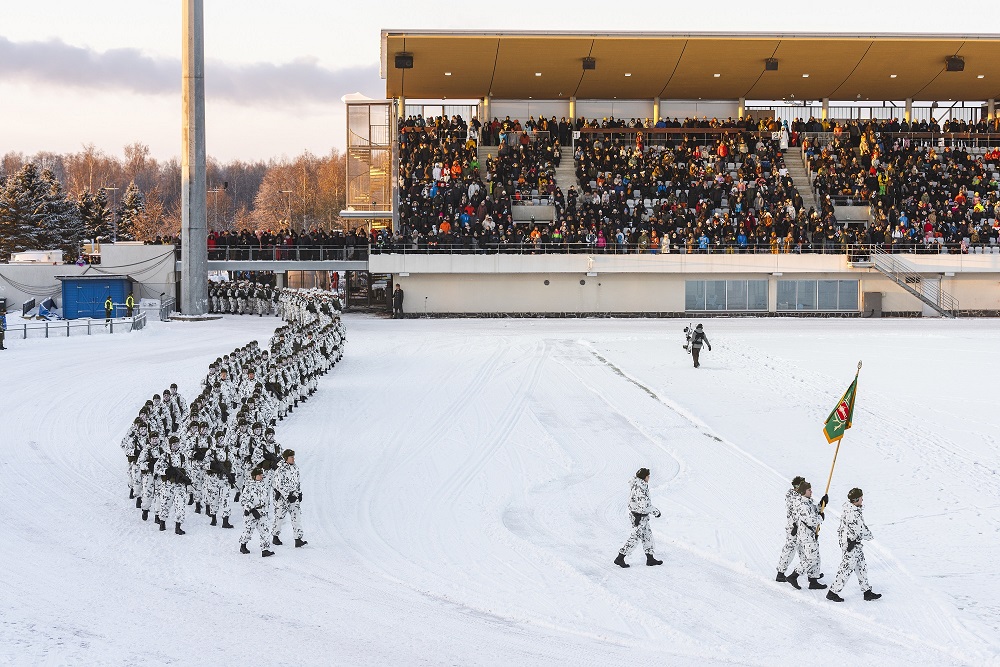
x,y
928,291
66,328
712,248
287,254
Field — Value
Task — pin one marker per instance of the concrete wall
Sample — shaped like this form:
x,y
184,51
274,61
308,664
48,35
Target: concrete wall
x,y
449,284
150,267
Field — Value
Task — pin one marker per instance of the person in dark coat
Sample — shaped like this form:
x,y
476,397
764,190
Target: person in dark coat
x,y
697,340
3,326
397,302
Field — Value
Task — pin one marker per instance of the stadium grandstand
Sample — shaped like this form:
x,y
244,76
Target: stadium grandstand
x,y
585,173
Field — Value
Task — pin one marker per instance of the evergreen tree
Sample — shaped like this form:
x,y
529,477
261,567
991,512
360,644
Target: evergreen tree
x,y
64,230
132,207
23,199
95,214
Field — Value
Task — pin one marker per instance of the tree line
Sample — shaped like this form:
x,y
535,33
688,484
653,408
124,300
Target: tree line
x,y
59,201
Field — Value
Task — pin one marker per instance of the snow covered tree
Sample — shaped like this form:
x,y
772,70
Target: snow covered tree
x,y
95,214
132,207
23,212
64,227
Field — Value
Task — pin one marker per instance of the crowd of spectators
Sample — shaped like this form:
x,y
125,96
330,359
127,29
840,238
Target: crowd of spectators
x,y
922,195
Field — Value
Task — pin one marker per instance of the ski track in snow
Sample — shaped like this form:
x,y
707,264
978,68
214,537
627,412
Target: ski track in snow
x,y
466,487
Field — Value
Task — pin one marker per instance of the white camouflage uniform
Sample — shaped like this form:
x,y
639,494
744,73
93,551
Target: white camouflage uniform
x,y
852,529
791,539
289,495
640,508
808,543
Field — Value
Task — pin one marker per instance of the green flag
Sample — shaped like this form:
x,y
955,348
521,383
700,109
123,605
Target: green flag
x,y
842,415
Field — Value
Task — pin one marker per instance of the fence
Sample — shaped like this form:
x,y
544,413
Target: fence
x,y
287,254
66,328
612,248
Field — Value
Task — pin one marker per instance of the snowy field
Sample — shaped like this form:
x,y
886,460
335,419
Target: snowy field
x,y
465,491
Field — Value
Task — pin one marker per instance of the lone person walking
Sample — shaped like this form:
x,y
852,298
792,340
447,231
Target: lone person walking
x,y
640,508
698,338
397,303
3,326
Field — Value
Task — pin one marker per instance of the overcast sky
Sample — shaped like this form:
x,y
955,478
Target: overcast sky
x,y
75,72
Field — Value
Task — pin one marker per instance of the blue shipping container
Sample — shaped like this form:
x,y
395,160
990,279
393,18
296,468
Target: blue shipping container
x,y
84,296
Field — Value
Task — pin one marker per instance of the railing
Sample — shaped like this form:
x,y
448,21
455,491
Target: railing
x,y
929,291
167,306
612,248
513,137
287,254
66,328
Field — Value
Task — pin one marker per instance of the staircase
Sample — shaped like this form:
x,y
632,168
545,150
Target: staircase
x,y
484,152
901,273
566,175
800,177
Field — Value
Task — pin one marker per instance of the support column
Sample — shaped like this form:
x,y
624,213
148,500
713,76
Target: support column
x,y
826,109
572,110
656,110
487,110
991,109
401,107
281,279
908,110
194,209
741,110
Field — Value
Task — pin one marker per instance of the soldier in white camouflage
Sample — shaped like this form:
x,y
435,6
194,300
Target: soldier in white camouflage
x,y
791,528
851,533
808,520
640,508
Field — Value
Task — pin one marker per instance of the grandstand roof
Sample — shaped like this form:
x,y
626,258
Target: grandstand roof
x,y
640,65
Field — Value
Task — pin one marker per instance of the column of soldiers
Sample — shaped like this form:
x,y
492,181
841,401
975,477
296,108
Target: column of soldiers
x,y
242,297
221,449
803,519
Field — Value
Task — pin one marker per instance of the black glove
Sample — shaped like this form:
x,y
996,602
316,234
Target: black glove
x,y
824,501
709,348
246,512
851,544
795,529
277,496
256,514
232,478
291,497
822,516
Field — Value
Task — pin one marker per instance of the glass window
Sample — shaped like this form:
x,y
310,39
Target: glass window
x,y
828,294
757,293
736,295
848,295
786,295
694,295
805,295
715,295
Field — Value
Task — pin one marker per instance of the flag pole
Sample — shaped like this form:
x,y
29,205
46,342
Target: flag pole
x,y
829,480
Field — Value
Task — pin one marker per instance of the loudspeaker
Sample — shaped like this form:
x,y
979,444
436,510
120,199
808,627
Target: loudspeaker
x,y
955,64
771,64
589,63
404,61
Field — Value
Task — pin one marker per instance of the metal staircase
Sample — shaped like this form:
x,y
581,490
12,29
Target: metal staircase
x,y
901,273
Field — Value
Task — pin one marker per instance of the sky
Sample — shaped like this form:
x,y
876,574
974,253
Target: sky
x,y
74,73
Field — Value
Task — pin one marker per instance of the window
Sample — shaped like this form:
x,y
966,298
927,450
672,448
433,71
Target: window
x,y
818,295
731,295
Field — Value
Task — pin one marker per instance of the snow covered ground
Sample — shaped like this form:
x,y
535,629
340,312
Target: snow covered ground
x,y
465,489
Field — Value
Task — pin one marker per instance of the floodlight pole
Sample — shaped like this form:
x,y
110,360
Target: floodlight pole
x,y
194,208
